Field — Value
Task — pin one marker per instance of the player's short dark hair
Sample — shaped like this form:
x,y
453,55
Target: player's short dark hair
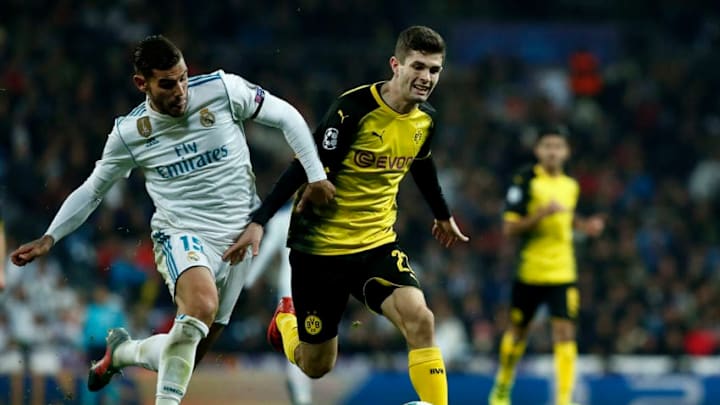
x,y
419,38
155,52
552,130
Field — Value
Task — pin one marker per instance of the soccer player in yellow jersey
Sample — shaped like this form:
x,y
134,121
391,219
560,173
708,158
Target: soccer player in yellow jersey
x,y
370,138
540,210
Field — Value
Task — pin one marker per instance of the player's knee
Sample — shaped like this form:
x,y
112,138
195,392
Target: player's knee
x,y
419,326
204,307
563,331
317,370
317,365
518,332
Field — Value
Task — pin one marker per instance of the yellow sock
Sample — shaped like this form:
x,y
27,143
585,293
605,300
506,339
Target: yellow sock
x,y
510,353
287,324
565,355
427,374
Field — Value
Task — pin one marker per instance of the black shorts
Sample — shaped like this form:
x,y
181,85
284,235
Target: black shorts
x,y
321,286
563,301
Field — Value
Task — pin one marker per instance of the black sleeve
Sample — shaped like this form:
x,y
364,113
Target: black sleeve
x,y
291,179
425,175
518,193
333,138
336,133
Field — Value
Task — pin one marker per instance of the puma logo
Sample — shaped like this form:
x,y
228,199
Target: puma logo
x,y
342,116
379,135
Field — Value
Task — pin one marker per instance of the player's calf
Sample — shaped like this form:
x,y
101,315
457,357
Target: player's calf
x,y
177,358
316,360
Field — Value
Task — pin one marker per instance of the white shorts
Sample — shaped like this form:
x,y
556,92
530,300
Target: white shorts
x,y
177,251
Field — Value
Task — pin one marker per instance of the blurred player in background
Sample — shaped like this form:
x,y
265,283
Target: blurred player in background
x,y
3,246
275,252
370,138
540,210
188,140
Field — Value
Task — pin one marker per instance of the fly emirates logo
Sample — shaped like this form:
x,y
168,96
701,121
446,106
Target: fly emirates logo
x,y
191,160
367,159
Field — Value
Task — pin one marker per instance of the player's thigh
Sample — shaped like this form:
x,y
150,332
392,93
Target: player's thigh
x,y
320,291
230,281
382,271
182,261
196,293
564,302
524,302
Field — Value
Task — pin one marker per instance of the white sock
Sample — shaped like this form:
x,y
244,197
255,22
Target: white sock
x,y
143,353
177,359
299,385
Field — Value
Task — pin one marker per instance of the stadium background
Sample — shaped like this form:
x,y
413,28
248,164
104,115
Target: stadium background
x,y
636,81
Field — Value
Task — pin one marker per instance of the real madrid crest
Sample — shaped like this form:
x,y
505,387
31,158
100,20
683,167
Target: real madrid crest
x,y
144,127
193,256
207,119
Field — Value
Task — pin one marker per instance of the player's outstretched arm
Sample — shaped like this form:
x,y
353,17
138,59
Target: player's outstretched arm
x,y
249,238
32,250
447,232
320,193
280,114
590,226
77,207
517,225
444,229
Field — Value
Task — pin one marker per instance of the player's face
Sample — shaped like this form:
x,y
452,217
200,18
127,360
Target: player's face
x,y
552,151
167,89
417,75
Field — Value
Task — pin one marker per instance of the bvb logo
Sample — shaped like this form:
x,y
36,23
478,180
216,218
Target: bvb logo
x,y
207,119
418,135
313,324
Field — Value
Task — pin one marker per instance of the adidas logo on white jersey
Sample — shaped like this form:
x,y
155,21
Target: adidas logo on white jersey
x,y
151,142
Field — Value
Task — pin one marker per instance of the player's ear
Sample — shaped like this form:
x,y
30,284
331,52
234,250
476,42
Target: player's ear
x,y
394,64
140,82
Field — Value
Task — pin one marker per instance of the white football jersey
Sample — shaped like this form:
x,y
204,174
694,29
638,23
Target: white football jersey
x,y
197,167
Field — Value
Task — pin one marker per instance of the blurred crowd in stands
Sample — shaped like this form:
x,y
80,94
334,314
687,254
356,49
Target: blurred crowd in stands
x,y
645,127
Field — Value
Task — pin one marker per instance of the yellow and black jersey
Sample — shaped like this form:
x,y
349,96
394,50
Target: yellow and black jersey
x,y
546,255
367,149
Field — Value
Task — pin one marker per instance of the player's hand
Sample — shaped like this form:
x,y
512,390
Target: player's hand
x,y
317,193
594,225
29,251
552,208
251,237
447,232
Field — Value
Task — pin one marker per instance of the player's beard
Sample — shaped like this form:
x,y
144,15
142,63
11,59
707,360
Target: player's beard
x,y
172,106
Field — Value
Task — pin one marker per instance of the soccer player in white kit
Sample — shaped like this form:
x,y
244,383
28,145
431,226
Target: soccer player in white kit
x,y
188,140
275,251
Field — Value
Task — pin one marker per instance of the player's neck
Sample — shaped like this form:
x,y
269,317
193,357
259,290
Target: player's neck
x,y
391,96
154,107
552,171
